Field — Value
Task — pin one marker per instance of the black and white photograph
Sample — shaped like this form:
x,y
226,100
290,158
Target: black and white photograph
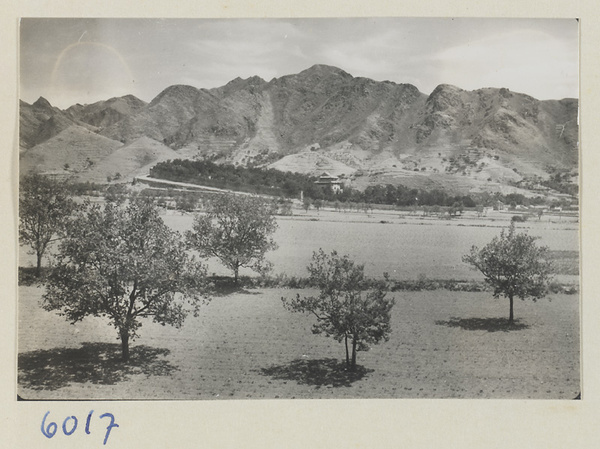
x,y
300,208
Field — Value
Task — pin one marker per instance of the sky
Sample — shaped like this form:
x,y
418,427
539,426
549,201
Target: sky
x,y
69,61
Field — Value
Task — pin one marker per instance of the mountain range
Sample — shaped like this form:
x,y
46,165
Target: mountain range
x,y
321,119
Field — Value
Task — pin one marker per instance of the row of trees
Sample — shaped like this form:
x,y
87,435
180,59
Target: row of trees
x,y
251,180
276,183
119,260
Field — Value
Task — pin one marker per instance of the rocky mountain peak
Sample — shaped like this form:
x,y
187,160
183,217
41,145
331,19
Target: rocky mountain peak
x,y
42,103
445,96
324,70
177,92
250,84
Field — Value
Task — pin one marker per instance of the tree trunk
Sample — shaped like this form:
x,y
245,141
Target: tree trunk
x,y
124,345
511,315
38,268
236,271
353,367
347,354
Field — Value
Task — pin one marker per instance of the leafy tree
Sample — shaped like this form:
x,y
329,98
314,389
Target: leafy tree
x,y
115,193
286,207
318,204
456,208
306,203
540,212
349,306
514,265
44,205
122,262
282,206
237,229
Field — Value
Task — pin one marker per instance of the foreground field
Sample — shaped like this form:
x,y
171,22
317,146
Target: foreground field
x,y
245,345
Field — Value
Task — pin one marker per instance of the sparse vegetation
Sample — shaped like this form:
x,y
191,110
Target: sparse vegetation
x,y
431,306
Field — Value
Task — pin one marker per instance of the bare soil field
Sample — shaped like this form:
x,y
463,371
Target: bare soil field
x,y
245,345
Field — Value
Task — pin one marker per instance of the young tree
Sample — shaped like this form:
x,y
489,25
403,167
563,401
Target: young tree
x,y
282,206
285,207
306,203
514,265
318,204
349,307
540,212
44,205
122,262
237,229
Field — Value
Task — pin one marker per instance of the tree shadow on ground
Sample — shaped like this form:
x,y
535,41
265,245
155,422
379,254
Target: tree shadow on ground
x,y
226,290
98,363
484,324
225,286
28,276
319,373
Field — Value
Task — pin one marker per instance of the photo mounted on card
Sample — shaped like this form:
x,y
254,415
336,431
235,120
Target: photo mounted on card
x,y
217,209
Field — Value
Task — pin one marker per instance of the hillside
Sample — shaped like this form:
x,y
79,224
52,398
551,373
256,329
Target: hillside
x,y
380,132
40,121
129,161
311,163
106,113
73,150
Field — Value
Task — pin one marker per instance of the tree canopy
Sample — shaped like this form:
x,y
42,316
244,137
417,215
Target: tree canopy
x,y
288,184
44,205
513,265
122,262
237,229
349,307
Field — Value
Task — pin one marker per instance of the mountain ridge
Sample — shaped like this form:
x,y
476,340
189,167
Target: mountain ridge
x,y
486,135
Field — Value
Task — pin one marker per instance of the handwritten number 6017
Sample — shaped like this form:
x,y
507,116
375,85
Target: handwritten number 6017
x,y
50,429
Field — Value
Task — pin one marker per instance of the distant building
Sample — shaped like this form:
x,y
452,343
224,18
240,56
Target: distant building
x,y
326,179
